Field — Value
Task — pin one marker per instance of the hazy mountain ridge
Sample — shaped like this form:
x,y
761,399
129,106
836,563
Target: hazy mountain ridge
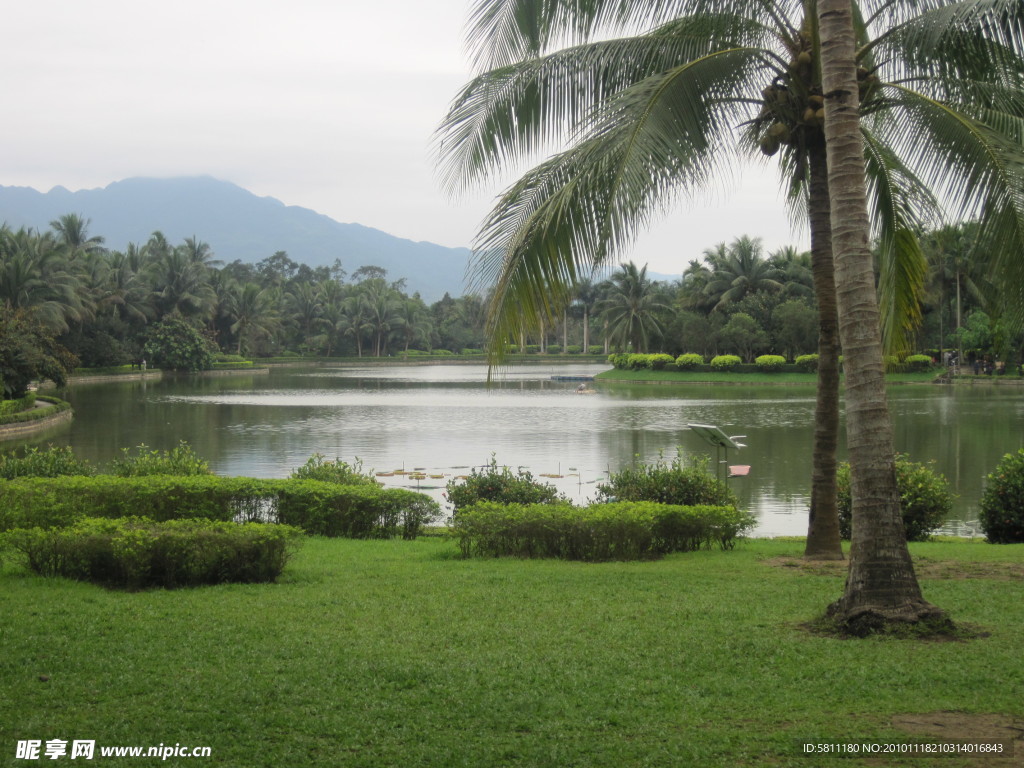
x,y
237,225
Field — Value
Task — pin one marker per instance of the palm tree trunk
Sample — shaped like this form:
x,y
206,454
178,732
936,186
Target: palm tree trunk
x,y
823,539
586,329
881,586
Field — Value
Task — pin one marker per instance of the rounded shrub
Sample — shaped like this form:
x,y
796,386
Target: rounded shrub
x,y
770,363
918,363
723,363
317,467
925,498
618,360
668,483
574,349
1002,503
660,361
689,361
638,362
501,485
807,363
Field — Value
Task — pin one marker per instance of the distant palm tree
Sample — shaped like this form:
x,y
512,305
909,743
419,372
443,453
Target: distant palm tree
x,y
739,270
73,235
35,275
631,309
252,313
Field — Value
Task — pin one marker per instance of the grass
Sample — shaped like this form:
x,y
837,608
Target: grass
x,y
389,653
684,377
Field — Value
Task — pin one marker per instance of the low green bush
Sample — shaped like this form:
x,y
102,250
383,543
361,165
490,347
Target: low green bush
x,y
354,511
322,509
595,349
619,360
17,405
141,461
659,362
35,414
317,467
52,461
917,363
239,365
770,363
136,553
725,362
689,362
1002,502
619,531
574,349
807,363
636,361
926,500
501,485
668,483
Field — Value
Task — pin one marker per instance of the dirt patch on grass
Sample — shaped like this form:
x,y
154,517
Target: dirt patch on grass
x,y
962,727
926,568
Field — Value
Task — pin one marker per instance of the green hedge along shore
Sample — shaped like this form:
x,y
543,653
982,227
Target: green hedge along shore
x,y
35,413
136,553
616,531
318,508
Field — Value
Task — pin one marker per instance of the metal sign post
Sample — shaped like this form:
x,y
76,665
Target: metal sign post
x,y
722,442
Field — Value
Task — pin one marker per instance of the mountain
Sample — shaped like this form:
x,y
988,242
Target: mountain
x,y
237,225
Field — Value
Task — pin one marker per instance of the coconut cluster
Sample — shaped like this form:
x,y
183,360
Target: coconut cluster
x,y
793,110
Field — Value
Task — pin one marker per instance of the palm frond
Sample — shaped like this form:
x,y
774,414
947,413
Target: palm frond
x,y
663,137
512,112
501,32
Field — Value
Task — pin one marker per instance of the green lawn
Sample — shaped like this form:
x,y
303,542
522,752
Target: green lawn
x,y
392,653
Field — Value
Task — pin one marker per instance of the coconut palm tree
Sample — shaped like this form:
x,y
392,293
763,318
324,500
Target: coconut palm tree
x,y
739,270
650,115
252,313
631,309
881,586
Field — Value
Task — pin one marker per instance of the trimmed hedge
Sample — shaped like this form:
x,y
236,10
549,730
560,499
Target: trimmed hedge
x,y
135,553
37,413
807,363
689,361
725,362
618,531
770,363
321,509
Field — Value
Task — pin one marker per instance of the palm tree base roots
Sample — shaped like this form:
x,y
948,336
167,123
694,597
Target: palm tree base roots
x,y
917,619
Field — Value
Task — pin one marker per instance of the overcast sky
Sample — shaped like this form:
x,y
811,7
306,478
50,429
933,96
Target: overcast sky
x,y
326,104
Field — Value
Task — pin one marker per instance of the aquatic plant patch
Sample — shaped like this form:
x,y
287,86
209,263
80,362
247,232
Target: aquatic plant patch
x,y
136,553
617,531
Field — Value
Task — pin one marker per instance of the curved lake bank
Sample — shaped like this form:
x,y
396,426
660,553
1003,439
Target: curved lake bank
x,y
444,419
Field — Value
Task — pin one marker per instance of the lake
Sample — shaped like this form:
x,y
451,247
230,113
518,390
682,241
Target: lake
x,y
444,419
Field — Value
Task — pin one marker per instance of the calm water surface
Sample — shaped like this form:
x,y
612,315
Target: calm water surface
x,y
444,419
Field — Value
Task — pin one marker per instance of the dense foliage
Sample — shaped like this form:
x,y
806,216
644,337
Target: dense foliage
x,y
28,352
673,482
617,531
1002,503
177,346
322,509
925,498
500,485
141,461
318,467
53,461
102,305
136,553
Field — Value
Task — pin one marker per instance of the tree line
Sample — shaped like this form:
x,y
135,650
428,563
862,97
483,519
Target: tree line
x,y
101,304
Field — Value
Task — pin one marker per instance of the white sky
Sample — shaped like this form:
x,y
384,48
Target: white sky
x,y
326,104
